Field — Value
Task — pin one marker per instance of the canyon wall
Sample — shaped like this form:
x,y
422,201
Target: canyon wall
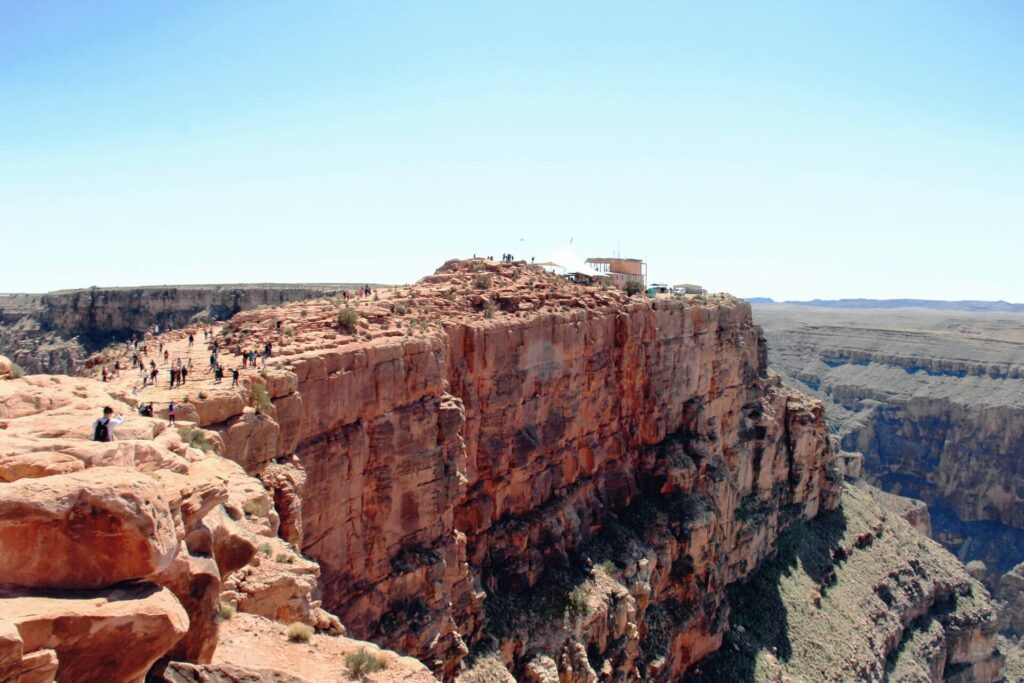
x,y
504,475
935,403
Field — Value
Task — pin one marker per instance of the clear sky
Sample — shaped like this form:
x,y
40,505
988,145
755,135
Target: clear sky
x,y
792,150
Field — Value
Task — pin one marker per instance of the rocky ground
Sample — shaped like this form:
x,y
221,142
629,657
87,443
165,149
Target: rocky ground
x,y
858,594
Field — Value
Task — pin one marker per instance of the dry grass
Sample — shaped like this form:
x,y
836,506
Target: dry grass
x,y
299,632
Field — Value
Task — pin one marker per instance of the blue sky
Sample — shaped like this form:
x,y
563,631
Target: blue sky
x,y
792,150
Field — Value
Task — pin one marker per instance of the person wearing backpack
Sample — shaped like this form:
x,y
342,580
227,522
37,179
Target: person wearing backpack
x,y
103,428
172,412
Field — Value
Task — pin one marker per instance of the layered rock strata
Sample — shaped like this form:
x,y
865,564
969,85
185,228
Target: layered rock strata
x,y
499,461
933,400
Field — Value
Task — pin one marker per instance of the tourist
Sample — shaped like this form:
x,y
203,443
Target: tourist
x,y
103,428
234,377
104,373
173,372
182,374
191,339
172,412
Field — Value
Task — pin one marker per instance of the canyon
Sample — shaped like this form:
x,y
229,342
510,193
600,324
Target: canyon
x,y
933,400
490,475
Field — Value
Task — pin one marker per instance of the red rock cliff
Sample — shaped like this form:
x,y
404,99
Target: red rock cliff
x,y
547,474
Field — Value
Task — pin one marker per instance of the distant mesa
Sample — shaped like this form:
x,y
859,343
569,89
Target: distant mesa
x,y
932,304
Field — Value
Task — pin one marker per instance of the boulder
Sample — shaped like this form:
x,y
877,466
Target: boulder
x,y
36,465
88,529
110,635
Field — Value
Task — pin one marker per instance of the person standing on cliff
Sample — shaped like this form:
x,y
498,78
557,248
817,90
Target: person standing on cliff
x,y
103,428
191,340
172,412
234,377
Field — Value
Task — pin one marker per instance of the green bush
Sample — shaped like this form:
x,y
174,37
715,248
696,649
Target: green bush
x,y
401,309
488,310
289,331
576,602
633,288
226,611
251,508
299,632
482,281
266,549
195,438
16,370
364,662
260,399
347,320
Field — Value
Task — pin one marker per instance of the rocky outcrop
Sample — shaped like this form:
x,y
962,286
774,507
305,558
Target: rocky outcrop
x,y
56,332
857,594
473,447
494,471
934,402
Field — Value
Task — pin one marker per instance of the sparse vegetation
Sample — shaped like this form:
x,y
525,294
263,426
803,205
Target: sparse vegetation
x,y
251,508
260,399
576,602
202,395
633,288
299,632
283,557
266,549
401,309
347,320
226,611
195,438
16,370
364,662
482,281
289,331
488,310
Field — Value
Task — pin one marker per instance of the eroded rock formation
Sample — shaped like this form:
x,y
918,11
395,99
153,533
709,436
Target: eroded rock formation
x,y
933,400
501,474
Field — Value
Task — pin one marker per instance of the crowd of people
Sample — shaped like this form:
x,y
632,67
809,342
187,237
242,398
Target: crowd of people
x,y
178,369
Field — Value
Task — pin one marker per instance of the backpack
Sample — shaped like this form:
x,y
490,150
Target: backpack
x,y
102,432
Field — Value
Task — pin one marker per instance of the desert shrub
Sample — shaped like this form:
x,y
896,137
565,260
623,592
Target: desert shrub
x,y
202,395
16,370
289,331
195,438
576,602
54,380
260,399
401,309
226,611
299,632
303,313
633,288
488,310
347,320
266,549
363,662
283,557
482,281
251,508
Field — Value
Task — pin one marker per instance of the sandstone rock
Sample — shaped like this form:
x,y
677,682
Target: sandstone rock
x,y
254,643
110,635
182,672
84,530
36,465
